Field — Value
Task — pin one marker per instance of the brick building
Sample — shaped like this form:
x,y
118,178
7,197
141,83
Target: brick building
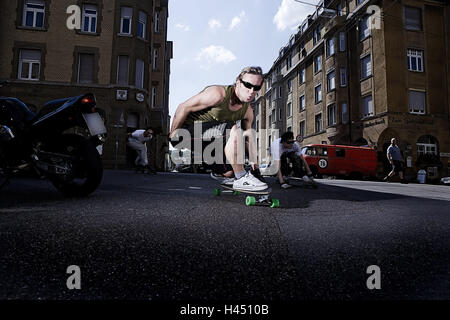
x,y
361,72
116,49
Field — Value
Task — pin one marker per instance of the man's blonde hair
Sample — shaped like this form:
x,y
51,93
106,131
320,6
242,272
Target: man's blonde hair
x,y
252,70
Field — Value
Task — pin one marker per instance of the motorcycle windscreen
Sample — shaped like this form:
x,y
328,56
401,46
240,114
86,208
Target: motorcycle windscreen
x,y
94,123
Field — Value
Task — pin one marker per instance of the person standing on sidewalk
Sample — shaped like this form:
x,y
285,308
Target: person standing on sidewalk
x,y
395,158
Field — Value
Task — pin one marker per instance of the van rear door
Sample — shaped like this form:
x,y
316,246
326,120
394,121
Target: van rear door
x,y
341,161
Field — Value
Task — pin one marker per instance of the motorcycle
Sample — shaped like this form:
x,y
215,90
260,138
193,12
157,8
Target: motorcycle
x,y
61,142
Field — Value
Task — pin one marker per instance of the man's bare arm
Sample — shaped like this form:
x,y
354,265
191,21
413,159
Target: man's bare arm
x,y
208,97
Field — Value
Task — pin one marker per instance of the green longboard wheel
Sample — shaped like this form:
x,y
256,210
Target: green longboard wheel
x,y
235,193
250,201
217,192
275,203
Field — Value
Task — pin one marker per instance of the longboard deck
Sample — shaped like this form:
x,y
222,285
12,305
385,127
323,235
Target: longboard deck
x,y
305,184
262,192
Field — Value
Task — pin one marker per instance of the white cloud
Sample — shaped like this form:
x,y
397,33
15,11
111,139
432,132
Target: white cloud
x,y
215,55
214,23
237,20
291,13
183,27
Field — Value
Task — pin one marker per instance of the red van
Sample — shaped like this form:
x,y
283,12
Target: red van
x,y
337,160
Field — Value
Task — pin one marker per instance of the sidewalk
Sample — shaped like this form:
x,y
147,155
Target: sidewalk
x,y
427,191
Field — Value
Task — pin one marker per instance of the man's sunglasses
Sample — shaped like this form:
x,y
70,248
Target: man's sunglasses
x,y
249,85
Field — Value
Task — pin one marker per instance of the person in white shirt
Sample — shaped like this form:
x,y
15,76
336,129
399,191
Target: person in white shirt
x,y
137,141
286,148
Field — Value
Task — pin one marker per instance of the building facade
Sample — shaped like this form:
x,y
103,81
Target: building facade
x,y
54,49
362,72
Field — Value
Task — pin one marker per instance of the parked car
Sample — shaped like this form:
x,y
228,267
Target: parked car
x,y
340,160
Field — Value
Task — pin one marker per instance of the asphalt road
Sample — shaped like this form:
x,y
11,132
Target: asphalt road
x,y
168,238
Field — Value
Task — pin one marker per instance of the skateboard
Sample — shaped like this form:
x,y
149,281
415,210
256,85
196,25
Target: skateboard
x,y
254,198
299,182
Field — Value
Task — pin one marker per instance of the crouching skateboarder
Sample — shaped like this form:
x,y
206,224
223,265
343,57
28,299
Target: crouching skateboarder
x,y
220,109
286,148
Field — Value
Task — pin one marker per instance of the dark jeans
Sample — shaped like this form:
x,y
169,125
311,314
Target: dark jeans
x,y
297,165
216,127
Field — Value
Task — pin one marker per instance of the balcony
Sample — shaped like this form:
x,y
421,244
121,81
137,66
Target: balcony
x,y
333,24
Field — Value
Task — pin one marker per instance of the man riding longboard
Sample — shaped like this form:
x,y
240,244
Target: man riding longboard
x,y
224,112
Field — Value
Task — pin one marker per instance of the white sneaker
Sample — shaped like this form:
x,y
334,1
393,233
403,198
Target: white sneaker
x,y
306,179
222,179
249,183
286,186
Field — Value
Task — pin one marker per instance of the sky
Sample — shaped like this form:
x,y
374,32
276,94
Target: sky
x,y
213,40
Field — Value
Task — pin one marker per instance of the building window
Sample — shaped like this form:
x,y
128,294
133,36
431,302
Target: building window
x,y
142,24
126,16
155,59
367,106
364,29
89,18
317,64
289,62
289,109
122,70
302,103
427,145
318,93
153,97
413,18
304,27
344,113
316,35
140,73
366,67
33,13
302,77
289,85
342,44
331,81
274,116
302,128
279,114
339,9
85,68
279,92
417,102
415,60
257,125
423,148
318,122
29,64
343,77
331,115
157,21
330,47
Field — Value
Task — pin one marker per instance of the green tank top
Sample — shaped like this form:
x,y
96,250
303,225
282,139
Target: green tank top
x,y
220,112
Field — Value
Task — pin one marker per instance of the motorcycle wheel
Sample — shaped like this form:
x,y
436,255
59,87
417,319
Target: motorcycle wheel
x,y
87,168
